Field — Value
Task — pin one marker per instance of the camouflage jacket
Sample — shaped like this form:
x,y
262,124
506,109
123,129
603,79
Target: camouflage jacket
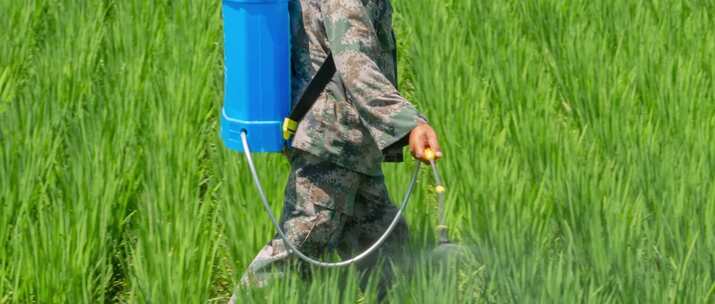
x,y
360,119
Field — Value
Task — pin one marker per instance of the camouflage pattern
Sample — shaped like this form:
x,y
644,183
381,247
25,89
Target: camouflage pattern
x,y
336,199
328,209
360,119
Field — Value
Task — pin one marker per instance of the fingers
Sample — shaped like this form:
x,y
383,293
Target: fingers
x,y
434,145
420,145
413,143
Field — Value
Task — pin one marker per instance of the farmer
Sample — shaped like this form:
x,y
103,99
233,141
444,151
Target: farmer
x,y
336,198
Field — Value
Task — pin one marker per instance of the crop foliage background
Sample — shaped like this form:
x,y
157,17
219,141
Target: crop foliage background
x,y
577,136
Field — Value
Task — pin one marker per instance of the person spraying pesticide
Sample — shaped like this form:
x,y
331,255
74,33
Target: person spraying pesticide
x,y
347,117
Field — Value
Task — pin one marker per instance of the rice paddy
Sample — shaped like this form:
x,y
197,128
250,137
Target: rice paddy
x,y
577,137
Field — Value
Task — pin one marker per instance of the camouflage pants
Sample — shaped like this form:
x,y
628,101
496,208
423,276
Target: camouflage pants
x,y
329,209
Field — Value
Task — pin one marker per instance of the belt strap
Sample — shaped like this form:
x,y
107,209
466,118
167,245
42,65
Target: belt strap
x,y
310,96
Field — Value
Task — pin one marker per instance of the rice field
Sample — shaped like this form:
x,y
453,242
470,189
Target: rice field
x,y
578,138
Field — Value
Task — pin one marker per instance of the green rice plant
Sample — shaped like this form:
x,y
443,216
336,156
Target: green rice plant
x,y
577,137
580,142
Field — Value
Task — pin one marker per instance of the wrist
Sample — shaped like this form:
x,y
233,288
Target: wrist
x,y
421,120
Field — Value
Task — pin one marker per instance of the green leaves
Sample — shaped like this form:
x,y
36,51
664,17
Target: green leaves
x,y
577,138
7,89
571,146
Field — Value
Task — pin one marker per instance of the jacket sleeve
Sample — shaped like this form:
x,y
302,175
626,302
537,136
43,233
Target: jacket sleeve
x,y
354,43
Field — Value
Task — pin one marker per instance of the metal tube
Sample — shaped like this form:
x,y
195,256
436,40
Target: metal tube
x,y
296,251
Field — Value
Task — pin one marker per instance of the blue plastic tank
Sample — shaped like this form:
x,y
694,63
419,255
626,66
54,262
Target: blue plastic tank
x,y
257,73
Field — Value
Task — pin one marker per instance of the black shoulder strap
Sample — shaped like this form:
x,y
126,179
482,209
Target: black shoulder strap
x,y
316,86
310,96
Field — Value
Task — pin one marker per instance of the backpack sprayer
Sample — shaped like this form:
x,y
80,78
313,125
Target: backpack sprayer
x,y
256,114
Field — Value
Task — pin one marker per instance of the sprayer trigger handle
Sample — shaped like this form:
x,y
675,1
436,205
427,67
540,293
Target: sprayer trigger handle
x,y
429,154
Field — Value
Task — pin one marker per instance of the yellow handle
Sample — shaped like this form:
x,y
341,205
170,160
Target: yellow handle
x,y
289,128
429,154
